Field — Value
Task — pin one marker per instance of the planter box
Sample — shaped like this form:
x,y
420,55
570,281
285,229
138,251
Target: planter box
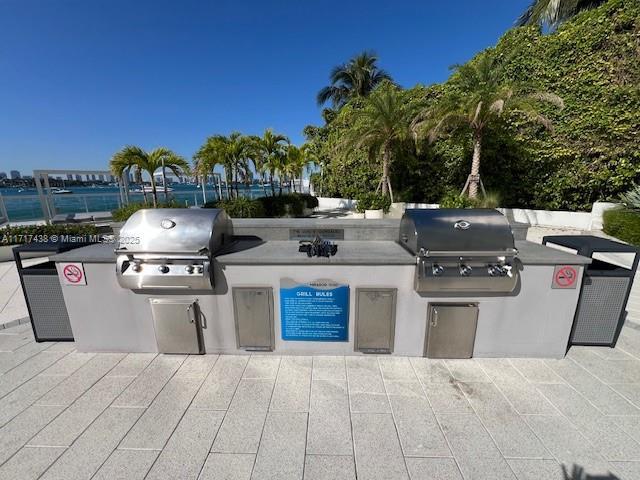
x,y
374,214
357,215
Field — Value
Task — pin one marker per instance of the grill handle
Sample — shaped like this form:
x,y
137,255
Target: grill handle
x,y
511,252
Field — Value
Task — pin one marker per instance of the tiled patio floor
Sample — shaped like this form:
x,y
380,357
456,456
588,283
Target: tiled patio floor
x,y
69,415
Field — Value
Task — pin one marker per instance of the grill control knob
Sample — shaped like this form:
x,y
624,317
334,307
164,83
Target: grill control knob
x,y
136,267
437,270
163,269
199,269
465,270
189,268
494,271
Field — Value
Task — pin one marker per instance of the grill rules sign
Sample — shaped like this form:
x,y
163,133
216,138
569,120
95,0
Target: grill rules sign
x,y
72,274
315,312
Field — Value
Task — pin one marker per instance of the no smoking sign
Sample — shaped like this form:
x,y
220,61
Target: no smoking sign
x,y
72,274
565,276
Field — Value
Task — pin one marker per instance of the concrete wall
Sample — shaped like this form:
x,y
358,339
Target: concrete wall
x,y
535,321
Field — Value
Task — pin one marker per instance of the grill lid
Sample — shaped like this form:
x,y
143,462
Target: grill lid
x,y
453,231
188,231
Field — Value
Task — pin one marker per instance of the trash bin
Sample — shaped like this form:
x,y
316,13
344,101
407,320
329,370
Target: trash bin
x,y
606,285
43,293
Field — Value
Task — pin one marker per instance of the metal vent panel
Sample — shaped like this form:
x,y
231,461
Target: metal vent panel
x,y
48,311
599,309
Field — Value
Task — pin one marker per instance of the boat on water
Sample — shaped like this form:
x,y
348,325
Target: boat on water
x,y
149,189
60,191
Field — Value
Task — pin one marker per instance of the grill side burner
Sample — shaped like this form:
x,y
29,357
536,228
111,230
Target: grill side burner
x,y
460,250
171,248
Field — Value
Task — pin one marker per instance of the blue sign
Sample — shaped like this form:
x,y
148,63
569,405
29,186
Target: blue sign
x,y
314,312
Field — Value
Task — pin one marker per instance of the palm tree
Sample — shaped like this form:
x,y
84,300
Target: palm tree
x,y
214,152
272,146
295,163
257,156
380,126
149,162
481,98
356,78
554,12
238,151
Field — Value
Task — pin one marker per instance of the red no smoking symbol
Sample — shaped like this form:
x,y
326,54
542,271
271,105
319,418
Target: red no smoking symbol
x,y
566,276
72,273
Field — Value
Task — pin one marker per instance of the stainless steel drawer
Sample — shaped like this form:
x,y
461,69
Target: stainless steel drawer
x,y
375,319
177,325
253,312
451,330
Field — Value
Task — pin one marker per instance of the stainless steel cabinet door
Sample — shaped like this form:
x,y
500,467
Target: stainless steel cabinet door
x,y
375,319
253,311
176,325
451,330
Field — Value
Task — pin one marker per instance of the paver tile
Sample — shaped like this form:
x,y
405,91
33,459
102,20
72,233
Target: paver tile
x,y
536,469
221,383
433,468
466,371
329,467
329,368
188,447
132,365
27,370
25,395
148,384
159,420
473,448
262,366
94,446
68,426
81,380
610,440
293,385
329,431
282,447
242,426
396,368
536,370
418,429
377,450
15,434
228,466
447,398
602,396
29,463
127,465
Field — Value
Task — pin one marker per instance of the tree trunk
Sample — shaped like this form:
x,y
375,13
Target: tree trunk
x,y
273,189
264,188
227,175
474,179
164,183
144,194
154,191
385,170
236,180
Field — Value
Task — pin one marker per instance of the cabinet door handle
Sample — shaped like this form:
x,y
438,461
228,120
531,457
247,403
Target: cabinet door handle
x,y
434,320
191,317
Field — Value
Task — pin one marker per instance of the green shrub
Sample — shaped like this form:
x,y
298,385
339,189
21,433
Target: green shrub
x,y
373,201
452,199
309,200
623,224
632,198
123,213
42,233
241,207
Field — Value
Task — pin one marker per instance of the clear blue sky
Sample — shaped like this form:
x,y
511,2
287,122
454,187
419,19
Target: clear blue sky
x,y
81,78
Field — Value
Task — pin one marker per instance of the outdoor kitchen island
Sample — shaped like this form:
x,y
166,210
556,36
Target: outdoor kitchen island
x,y
267,296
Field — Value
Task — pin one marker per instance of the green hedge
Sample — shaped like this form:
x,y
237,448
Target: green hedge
x,y
292,204
623,224
43,233
372,201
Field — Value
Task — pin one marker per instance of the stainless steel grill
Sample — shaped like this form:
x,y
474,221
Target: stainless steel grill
x,y
171,248
460,250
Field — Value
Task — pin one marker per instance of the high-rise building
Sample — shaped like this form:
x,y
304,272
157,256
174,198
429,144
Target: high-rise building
x,y
93,176
15,174
69,176
3,175
101,177
78,177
